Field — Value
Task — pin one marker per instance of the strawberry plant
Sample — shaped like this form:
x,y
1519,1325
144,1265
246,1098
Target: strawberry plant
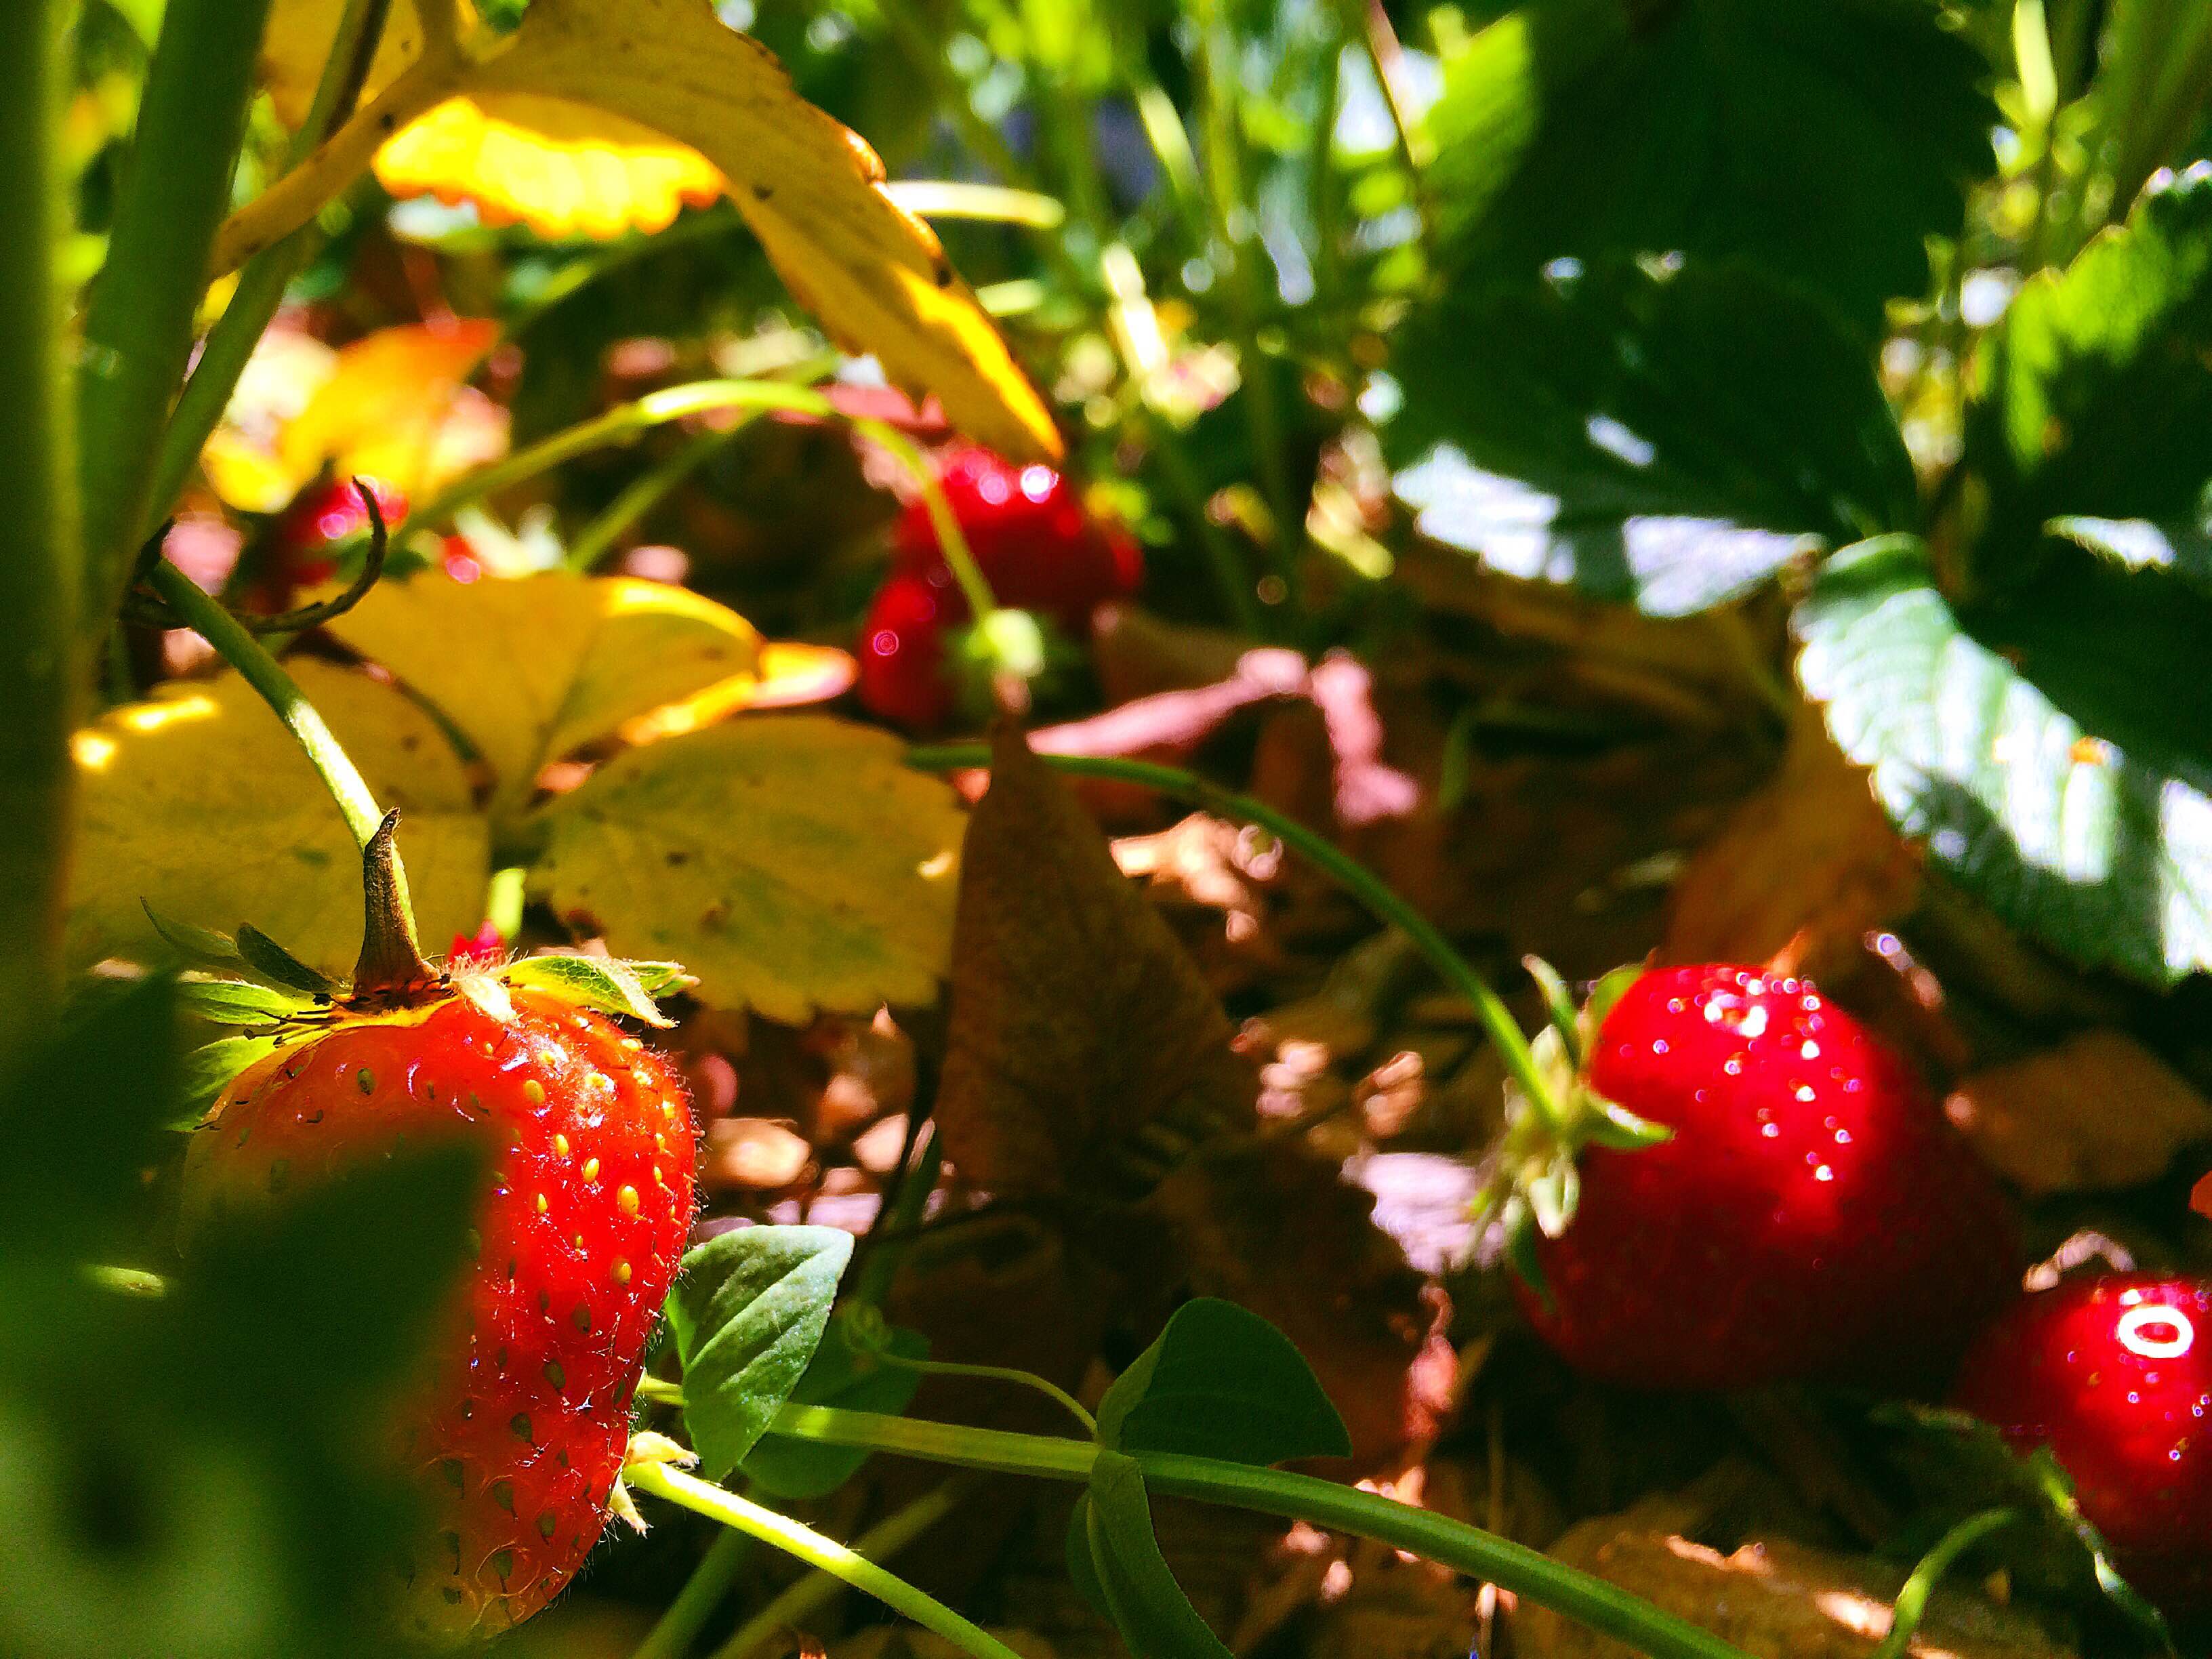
x,y
752,520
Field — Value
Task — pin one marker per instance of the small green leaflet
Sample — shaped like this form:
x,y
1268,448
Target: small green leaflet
x,y
1221,1382
2087,837
237,1002
272,962
845,1373
208,1070
748,1310
600,982
1117,1563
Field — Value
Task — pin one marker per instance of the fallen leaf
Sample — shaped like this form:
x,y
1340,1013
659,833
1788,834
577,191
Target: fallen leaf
x,y
1771,1599
534,669
1808,863
2099,1111
201,804
792,862
1079,1024
1270,1227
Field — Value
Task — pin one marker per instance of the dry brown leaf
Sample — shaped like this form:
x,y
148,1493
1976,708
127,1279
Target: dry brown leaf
x,y
2097,1112
1267,1225
1808,864
1079,1024
1775,1600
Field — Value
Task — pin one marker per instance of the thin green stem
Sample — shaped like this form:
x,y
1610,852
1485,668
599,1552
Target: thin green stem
x,y
1354,876
953,198
138,322
1588,1600
647,491
1031,1379
1912,1603
238,647
807,1598
678,1626
1230,579
262,284
41,570
719,1504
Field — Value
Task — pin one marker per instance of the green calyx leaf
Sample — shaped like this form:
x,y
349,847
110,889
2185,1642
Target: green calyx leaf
x,y
598,982
749,1311
1221,1382
239,1002
265,957
207,1071
1115,1559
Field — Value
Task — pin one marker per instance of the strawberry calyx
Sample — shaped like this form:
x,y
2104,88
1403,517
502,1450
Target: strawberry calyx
x,y
249,982
1534,1183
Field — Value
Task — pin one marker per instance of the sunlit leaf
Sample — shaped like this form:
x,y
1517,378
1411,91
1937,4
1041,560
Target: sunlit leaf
x,y
1221,1382
201,804
2033,781
530,670
792,862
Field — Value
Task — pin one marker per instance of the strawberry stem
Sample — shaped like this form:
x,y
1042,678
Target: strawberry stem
x,y
1354,876
391,958
390,965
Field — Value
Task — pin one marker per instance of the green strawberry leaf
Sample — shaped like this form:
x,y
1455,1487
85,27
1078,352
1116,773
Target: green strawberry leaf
x,y
2050,755
1577,128
1667,441
237,1002
1129,1573
200,947
748,1310
272,962
845,1372
2093,404
600,982
1959,1464
1221,1382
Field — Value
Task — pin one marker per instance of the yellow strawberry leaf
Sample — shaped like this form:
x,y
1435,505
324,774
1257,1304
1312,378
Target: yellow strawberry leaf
x,y
287,367
599,118
559,168
532,669
811,190
297,43
200,804
398,406
790,861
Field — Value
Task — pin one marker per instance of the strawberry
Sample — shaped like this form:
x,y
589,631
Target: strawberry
x,y
323,513
2114,1374
1810,1215
518,1433
1037,547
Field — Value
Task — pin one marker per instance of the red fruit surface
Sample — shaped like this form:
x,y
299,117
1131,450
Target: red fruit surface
x,y
1035,543
519,1437
903,677
1813,1217
2114,1374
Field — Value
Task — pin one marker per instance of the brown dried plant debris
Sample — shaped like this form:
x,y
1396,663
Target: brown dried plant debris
x,y
1080,1028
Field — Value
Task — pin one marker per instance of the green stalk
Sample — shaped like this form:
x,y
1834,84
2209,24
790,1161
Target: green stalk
x,y
262,283
802,1599
41,571
1030,1380
139,321
681,1622
646,491
1354,876
1588,1599
1912,1603
718,1503
238,647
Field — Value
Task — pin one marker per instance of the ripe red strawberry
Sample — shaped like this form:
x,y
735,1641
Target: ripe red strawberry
x,y
2114,1374
323,513
1812,1215
903,676
1033,540
520,1434
1037,547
